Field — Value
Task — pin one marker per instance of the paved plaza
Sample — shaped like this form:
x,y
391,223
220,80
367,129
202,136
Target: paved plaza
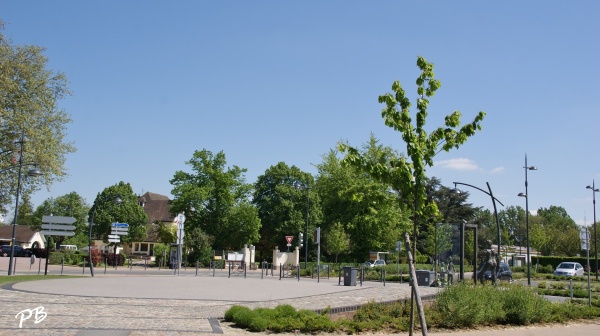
x,y
138,301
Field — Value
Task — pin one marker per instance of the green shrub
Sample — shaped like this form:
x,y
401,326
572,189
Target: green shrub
x,y
467,306
542,285
523,306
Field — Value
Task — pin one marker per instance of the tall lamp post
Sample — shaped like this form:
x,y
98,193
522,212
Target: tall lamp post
x,y
299,186
494,200
526,167
594,191
116,200
32,172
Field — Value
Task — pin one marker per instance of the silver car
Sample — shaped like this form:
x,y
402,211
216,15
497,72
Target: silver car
x,y
569,269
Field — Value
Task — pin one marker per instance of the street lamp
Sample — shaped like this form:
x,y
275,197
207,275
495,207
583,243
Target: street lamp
x,y
299,186
32,172
116,200
526,167
494,200
594,191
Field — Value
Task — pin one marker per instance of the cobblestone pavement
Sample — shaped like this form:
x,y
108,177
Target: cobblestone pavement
x,y
136,303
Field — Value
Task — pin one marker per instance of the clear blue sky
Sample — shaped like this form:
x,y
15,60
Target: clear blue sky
x,y
271,81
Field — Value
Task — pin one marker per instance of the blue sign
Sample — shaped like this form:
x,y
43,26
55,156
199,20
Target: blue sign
x,y
120,225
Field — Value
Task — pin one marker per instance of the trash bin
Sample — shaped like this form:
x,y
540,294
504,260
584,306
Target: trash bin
x,y
349,276
425,278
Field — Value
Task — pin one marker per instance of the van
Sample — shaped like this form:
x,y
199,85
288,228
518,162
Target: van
x,y
68,247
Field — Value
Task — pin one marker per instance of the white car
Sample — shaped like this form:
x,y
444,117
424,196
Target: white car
x,y
569,269
379,262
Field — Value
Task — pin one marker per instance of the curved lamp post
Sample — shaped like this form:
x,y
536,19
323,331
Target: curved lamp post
x,y
494,200
526,167
32,172
594,191
299,186
115,199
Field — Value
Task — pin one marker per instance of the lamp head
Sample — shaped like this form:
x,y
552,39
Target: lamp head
x,y
35,172
522,195
532,168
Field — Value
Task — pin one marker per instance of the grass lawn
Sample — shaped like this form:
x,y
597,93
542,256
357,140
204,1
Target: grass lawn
x,y
18,278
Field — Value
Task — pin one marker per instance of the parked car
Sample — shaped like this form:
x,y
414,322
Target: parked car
x,y
568,269
18,251
368,263
504,273
379,262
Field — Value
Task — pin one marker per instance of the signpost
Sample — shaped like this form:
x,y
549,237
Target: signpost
x,y
180,235
116,231
56,226
584,235
289,241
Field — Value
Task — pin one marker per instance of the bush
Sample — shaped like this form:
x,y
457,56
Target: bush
x,y
467,306
523,306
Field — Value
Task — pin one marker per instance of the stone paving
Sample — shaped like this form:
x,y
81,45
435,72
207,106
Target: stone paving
x,y
151,302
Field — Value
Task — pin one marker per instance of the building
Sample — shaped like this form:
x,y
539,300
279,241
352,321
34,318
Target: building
x,y
24,236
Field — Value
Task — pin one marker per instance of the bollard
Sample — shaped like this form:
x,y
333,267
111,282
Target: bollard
x,y
196,267
83,270
145,263
400,276
362,275
214,268
312,272
130,263
244,265
298,272
384,276
339,276
229,264
571,287
40,266
15,266
280,271
105,262
62,265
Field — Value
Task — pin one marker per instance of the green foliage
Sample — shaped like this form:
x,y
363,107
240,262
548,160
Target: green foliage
x,y
158,251
408,177
467,306
280,319
69,257
107,210
214,199
71,205
337,240
282,207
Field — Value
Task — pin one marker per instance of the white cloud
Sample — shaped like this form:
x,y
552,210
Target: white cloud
x,y
498,170
457,164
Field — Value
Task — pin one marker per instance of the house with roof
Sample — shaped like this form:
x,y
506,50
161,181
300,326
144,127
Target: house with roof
x,y
157,208
24,236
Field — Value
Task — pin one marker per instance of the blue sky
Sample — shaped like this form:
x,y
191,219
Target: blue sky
x,y
271,81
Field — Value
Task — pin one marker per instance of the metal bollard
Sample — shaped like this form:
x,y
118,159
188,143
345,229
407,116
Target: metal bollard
x,y
280,271
384,273
105,262
40,266
62,265
196,267
298,272
245,270
130,263
339,276
83,270
145,264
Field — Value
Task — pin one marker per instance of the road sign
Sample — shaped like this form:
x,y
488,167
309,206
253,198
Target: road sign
x,y
111,236
289,239
120,225
583,234
57,233
114,240
119,233
58,220
398,246
58,227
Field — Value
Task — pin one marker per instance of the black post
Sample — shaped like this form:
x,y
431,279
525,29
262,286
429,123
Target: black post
x,y
462,252
14,228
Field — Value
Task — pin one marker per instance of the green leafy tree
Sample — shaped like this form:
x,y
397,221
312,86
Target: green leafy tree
x,y
70,205
366,206
282,206
29,95
336,240
407,176
25,211
216,199
197,245
118,203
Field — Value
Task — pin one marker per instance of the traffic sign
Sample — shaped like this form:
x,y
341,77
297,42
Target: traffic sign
x,y
111,236
289,239
120,225
58,227
58,220
114,240
120,233
57,233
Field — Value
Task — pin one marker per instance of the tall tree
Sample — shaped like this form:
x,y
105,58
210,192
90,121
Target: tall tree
x,y
367,208
71,205
408,177
118,203
282,206
29,113
336,240
216,199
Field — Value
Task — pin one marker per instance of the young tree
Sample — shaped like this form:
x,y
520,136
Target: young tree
x,y
215,199
408,176
336,240
29,112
